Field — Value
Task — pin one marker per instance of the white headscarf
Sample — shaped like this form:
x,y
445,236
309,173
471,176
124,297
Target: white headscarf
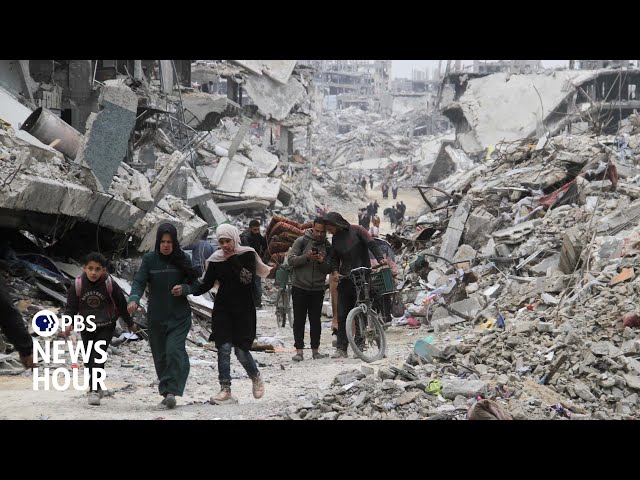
x,y
229,231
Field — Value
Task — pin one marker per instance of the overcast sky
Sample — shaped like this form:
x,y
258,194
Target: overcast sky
x,y
402,68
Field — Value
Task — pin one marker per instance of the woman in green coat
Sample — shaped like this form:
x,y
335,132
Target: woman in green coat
x,y
169,316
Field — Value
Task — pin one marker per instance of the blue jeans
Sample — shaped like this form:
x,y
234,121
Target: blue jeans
x,y
224,363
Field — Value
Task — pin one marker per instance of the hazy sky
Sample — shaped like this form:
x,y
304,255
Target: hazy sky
x,y
402,68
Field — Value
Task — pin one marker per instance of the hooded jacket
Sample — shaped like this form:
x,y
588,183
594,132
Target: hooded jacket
x,y
351,245
309,274
162,273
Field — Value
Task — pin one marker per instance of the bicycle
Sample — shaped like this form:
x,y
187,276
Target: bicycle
x,y
365,329
284,305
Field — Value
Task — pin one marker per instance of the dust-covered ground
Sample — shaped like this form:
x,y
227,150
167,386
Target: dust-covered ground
x,y
132,382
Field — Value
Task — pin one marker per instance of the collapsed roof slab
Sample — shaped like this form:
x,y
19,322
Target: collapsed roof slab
x,y
263,161
229,177
505,107
196,193
244,205
50,196
273,99
211,213
278,70
261,189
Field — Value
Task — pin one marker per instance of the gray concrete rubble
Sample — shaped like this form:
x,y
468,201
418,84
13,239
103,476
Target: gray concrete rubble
x,y
274,99
105,143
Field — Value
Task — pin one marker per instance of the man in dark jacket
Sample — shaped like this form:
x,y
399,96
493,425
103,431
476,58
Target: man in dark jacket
x,y
310,265
350,249
252,238
12,325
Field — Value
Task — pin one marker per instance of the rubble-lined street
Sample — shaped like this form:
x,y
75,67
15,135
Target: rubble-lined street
x,y
518,247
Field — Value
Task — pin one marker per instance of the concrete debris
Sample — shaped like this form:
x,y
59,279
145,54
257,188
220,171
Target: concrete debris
x,y
106,141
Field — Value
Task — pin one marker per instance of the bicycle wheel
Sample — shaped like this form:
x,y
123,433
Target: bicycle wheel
x,y
366,335
289,307
281,308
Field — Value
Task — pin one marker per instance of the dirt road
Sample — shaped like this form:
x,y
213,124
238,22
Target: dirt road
x,y
410,196
131,378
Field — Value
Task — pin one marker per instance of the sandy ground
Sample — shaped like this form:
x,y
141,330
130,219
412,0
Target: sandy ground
x,y
135,388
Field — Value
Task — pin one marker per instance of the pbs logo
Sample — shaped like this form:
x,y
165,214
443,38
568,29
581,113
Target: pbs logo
x,y
45,323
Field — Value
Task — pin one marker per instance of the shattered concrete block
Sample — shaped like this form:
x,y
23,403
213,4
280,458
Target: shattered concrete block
x,y
469,306
261,189
406,397
273,99
583,391
106,141
478,227
516,234
141,191
164,178
263,161
453,387
451,238
229,177
465,252
196,193
571,250
211,213
633,381
244,205
543,267
619,217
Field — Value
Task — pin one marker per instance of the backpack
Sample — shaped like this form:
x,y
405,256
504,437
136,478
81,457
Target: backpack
x,y
113,308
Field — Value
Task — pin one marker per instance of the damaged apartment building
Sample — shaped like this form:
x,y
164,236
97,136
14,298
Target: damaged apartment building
x,y
97,153
528,105
350,83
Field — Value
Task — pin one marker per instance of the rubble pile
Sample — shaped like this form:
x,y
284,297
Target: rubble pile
x,y
524,278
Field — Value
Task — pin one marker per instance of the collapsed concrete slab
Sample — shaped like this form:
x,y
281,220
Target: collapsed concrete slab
x,y
170,167
229,177
244,205
478,227
211,213
452,236
263,161
273,99
105,144
261,189
196,193
33,194
278,70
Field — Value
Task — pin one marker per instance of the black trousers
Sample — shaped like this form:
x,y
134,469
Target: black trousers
x,y
347,297
100,333
306,302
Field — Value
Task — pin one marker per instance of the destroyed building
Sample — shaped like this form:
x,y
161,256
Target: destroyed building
x,y
502,107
